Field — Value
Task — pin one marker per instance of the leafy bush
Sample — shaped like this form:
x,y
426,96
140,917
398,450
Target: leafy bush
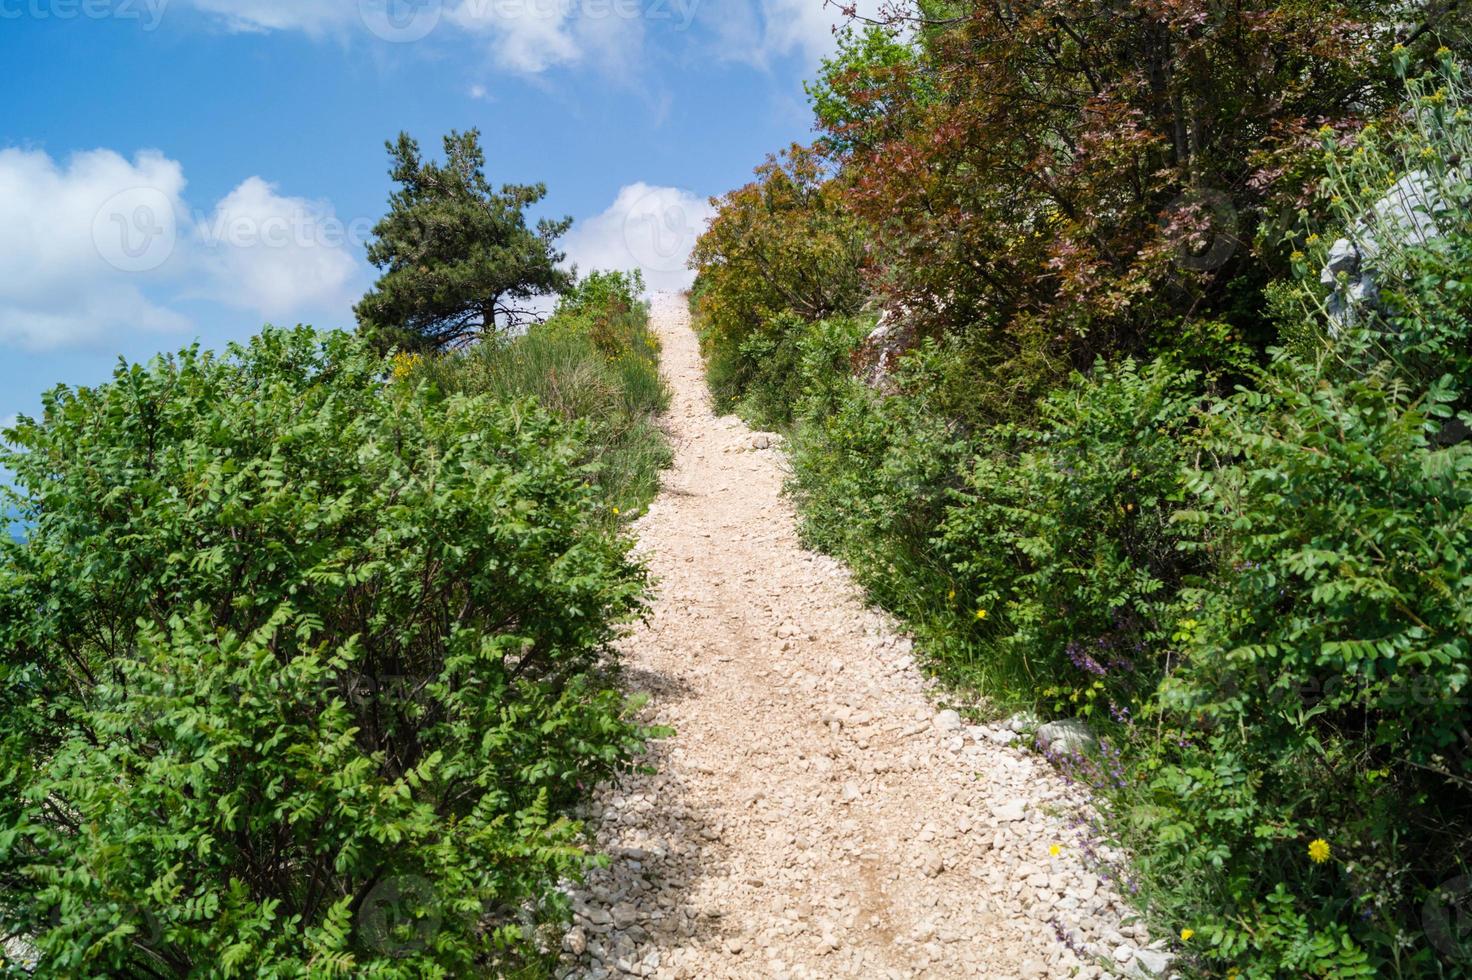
x,y
1066,560
872,475
1322,688
301,670
782,244
1041,563
1321,693
594,361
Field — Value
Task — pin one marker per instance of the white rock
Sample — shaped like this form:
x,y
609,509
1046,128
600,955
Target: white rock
x,y
1069,736
1154,962
947,721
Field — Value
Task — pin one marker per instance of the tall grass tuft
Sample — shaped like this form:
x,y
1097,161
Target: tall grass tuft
x,y
594,361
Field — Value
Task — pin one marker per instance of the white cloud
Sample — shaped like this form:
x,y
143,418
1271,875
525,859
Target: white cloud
x,y
278,255
523,36
649,228
528,37
761,31
89,246
311,16
60,249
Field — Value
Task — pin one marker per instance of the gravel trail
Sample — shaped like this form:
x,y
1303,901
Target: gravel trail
x,y
816,814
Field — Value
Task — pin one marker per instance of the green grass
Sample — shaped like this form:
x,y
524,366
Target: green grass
x,y
600,368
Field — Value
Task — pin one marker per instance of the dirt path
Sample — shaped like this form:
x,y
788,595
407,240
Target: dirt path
x,y
814,816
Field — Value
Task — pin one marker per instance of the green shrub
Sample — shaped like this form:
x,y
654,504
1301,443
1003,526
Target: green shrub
x,y
1066,560
302,670
1321,689
594,361
872,475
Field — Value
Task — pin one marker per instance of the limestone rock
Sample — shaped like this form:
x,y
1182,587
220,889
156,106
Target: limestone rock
x,y
947,721
1070,736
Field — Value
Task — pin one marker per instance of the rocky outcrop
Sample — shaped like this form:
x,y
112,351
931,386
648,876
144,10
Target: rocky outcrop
x,y
875,360
1406,215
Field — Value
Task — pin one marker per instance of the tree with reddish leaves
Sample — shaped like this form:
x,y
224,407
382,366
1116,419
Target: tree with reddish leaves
x,y
784,243
1080,178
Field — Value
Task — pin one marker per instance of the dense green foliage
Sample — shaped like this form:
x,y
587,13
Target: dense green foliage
x,y
1109,479
458,259
781,243
595,361
303,669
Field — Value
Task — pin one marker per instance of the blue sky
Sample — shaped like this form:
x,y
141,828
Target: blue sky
x,y
173,170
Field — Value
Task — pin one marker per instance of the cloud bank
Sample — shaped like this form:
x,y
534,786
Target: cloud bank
x,y
651,229
100,244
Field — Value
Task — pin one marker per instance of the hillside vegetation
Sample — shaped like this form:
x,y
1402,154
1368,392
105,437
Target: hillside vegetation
x,y
307,651
1124,457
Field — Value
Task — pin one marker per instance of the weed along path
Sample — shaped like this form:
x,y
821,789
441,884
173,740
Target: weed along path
x,y
815,815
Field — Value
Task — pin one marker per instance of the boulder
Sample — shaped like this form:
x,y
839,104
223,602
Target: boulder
x,y
1067,737
1406,215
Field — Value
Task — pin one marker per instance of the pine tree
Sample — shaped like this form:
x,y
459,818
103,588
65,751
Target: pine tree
x,y
459,259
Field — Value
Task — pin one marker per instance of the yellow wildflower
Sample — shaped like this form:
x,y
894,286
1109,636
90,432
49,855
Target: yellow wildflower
x,y
405,365
1186,935
1319,851
981,615
1055,850
1297,256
